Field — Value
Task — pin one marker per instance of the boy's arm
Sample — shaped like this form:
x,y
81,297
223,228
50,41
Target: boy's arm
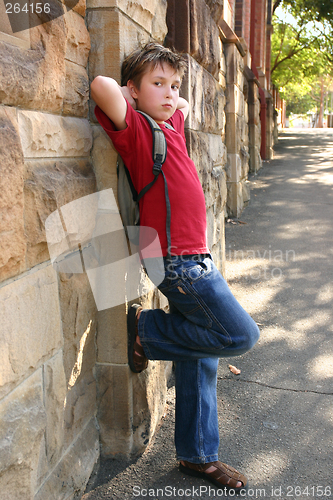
x,y
110,97
183,106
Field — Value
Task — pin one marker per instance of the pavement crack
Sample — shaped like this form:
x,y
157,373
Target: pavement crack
x,y
308,391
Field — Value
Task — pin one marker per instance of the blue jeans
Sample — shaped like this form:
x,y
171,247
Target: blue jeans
x,y
205,323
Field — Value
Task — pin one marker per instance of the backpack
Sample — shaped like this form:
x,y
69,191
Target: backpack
x,y
128,198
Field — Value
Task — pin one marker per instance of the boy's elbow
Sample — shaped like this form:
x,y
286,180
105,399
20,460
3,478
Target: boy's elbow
x,y
96,85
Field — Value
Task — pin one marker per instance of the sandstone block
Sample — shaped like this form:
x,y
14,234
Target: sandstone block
x,y
48,185
149,14
78,41
80,406
30,324
215,236
80,7
206,98
76,91
34,79
104,158
22,427
238,196
12,233
234,168
216,8
234,65
78,315
115,408
149,395
113,36
129,407
209,155
69,478
112,335
204,43
55,398
46,135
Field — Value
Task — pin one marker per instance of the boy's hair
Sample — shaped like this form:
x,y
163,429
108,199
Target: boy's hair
x,y
136,64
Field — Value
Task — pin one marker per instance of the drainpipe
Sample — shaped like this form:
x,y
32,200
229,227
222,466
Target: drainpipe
x,y
263,109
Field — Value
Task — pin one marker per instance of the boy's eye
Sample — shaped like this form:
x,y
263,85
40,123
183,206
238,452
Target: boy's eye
x,y
157,83
175,87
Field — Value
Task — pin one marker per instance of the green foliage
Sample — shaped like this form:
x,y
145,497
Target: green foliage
x,y
313,10
302,54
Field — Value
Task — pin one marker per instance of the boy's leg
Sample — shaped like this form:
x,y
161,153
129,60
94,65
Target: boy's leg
x,y
196,428
211,324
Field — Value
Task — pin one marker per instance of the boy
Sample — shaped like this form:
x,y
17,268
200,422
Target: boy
x,y
205,320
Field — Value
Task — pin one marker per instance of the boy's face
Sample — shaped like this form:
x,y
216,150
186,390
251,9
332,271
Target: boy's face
x,y
159,92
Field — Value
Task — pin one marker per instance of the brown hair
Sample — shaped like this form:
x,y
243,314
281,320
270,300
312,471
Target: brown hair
x,y
135,65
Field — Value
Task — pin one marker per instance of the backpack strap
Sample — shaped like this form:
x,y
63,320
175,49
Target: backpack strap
x,y
159,156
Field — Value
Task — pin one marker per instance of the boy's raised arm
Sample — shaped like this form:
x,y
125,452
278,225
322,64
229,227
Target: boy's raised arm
x,y
183,106
109,96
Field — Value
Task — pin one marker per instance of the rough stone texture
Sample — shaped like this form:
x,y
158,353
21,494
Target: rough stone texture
x,y
80,7
78,314
206,106
216,8
255,162
204,43
113,36
46,135
104,158
130,406
111,335
115,408
30,324
12,233
55,397
76,91
48,185
237,133
210,156
34,79
69,478
22,427
78,41
149,14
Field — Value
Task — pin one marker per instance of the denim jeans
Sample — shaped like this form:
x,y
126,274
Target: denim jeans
x,y
205,323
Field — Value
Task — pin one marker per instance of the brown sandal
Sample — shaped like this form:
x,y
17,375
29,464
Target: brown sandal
x,y
220,474
137,359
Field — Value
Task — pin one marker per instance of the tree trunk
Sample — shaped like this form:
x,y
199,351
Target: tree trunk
x,y
321,109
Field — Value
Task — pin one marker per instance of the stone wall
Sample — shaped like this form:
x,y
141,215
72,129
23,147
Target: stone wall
x,y
48,435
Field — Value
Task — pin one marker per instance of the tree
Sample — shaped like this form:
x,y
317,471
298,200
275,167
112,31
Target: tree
x,y
302,57
317,10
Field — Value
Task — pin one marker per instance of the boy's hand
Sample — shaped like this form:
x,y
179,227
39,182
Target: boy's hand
x,y
127,94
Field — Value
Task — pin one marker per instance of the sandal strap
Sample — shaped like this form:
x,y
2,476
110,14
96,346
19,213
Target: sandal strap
x,y
139,358
220,473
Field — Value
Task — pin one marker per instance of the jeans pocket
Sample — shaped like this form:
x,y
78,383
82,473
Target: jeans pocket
x,y
197,271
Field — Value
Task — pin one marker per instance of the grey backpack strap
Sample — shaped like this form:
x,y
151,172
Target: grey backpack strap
x,y
159,156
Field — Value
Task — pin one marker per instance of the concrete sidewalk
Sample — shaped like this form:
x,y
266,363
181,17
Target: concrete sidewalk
x,y
276,417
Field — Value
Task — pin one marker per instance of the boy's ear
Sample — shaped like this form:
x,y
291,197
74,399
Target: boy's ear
x,y
132,89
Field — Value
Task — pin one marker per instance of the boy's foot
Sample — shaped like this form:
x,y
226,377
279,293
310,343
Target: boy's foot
x,y
137,359
220,474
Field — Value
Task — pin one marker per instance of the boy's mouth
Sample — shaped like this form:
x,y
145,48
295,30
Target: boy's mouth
x,y
167,105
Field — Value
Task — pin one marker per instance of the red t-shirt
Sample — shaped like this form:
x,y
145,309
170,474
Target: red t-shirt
x,y
188,209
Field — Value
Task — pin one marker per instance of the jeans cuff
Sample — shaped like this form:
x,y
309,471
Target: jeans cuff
x,y
199,460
